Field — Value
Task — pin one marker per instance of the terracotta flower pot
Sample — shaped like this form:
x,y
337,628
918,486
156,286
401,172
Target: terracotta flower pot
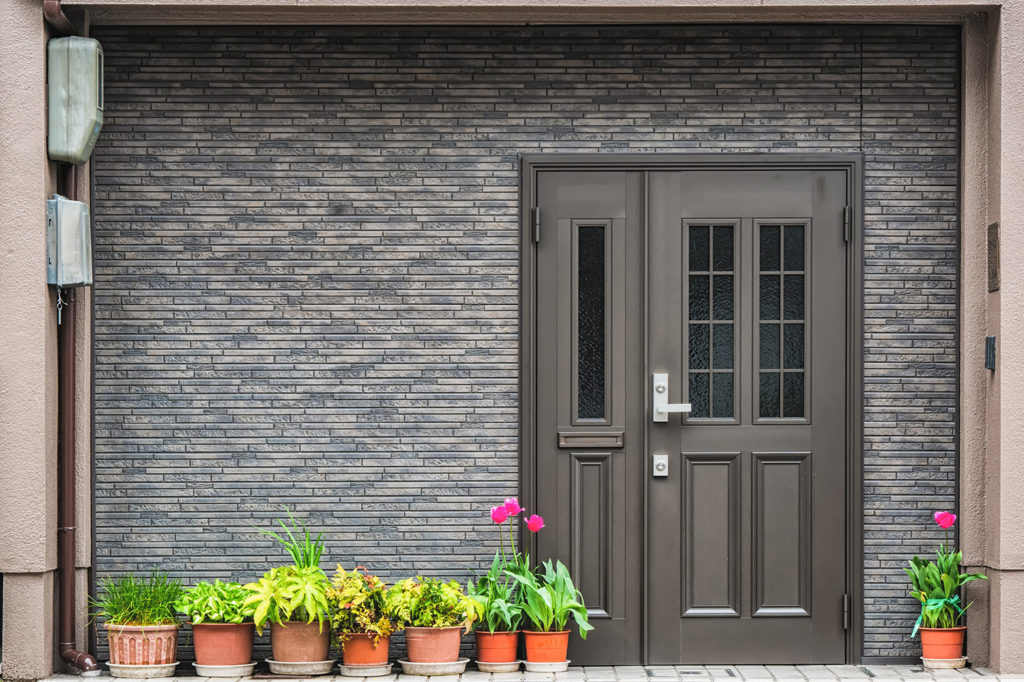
x,y
546,647
496,647
942,643
358,649
433,645
296,641
223,643
142,644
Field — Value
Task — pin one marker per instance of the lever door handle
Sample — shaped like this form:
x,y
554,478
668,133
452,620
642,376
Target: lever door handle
x,y
661,407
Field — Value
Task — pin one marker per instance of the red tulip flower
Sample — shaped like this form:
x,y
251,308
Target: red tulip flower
x,y
499,514
512,506
945,519
534,523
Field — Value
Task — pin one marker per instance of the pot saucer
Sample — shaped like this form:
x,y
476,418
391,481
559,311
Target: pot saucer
x,y
241,670
372,670
535,667
509,667
302,668
450,668
142,671
944,663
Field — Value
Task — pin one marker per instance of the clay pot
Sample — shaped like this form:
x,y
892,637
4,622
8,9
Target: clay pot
x,y
433,645
546,647
142,644
223,643
358,649
296,641
496,647
942,643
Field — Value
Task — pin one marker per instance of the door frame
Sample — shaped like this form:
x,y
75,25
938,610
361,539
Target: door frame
x,y
852,165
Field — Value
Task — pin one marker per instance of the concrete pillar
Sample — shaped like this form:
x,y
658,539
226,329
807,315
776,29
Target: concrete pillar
x,y
1006,314
28,371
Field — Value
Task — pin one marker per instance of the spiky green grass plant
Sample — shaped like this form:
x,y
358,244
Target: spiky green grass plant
x,y
129,600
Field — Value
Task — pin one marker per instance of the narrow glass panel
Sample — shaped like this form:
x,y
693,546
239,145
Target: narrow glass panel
x,y
769,347
723,297
722,395
700,394
769,296
700,295
793,247
723,247
723,347
700,346
591,322
768,392
793,394
769,247
793,346
700,245
793,292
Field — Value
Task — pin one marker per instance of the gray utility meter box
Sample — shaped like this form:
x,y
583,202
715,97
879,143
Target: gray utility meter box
x,y
68,243
74,89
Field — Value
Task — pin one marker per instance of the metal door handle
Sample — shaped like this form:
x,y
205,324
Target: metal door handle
x,y
661,407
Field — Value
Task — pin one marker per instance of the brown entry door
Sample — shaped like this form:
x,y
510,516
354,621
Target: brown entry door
x,y
747,323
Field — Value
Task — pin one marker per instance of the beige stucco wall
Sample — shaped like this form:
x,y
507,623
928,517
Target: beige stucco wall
x,y
992,470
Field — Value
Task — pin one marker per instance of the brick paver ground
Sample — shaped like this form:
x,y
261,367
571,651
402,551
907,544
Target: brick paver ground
x,y
668,673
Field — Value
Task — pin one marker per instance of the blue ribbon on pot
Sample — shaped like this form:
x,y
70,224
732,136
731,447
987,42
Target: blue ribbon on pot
x,y
937,605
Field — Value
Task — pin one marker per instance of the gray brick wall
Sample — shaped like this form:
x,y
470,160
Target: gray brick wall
x,y
306,269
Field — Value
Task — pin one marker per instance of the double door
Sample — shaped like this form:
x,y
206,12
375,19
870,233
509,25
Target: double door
x,y
690,425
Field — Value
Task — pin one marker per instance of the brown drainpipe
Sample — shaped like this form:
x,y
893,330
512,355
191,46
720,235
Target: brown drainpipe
x,y
62,26
56,18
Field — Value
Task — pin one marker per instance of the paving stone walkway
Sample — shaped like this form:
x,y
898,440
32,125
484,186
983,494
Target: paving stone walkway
x,y
667,673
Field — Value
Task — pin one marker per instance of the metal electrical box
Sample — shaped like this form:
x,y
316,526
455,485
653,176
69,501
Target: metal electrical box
x,y
74,88
68,243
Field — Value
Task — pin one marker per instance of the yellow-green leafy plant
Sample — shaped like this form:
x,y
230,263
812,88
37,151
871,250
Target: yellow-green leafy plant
x,y
432,603
359,604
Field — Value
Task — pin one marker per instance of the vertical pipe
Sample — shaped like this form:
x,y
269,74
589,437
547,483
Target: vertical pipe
x,y
66,473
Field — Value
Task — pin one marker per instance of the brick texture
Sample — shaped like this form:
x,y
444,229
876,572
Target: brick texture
x,y
307,259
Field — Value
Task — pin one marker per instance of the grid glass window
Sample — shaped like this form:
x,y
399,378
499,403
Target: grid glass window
x,y
710,320
782,339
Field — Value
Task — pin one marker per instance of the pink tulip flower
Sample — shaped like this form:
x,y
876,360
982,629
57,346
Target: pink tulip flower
x,y
499,514
945,519
512,506
534,523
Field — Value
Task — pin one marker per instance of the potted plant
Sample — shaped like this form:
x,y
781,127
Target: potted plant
x,y
548,601
433,614
291,598
222,628
497,633
937,586
141,624
360,618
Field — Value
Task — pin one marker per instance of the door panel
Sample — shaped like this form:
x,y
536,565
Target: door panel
x,y
590,458
747,316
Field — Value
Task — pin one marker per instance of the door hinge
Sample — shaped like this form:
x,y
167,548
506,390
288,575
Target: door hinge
x,y
536,224
847,223
846,611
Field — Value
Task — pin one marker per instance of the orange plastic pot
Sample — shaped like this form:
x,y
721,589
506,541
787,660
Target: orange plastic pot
x,y
359,649
546,647
496,647
433,645
143,644
223,643
942,643
296,641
